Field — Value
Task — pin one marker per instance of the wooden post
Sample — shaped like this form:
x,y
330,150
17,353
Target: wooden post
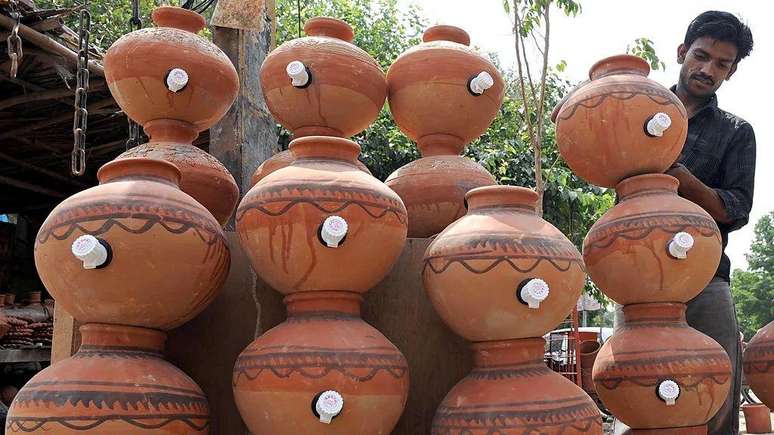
x,y
246,136
207,347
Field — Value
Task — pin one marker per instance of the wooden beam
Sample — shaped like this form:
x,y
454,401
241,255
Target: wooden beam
x,y
47,43
48,24
43,171
48,94
31,187
53,120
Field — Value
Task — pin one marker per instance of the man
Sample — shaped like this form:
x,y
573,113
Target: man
x,y
716,171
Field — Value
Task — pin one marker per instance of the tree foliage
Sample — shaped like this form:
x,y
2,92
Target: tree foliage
x,y
643,47
753,289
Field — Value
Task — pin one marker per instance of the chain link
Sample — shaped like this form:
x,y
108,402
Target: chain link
x,y
135,23
78,157
14,42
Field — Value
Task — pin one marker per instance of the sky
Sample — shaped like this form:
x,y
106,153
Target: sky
x,y
606,27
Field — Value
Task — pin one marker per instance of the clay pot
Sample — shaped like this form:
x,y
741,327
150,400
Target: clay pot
x,y
430,92
482,271
166,256
203,176
759,364
642,237
282,159
433,189
511,391
287,220
137,68
653,356
757,418
323,346
588,354
117,383
602,128
343,88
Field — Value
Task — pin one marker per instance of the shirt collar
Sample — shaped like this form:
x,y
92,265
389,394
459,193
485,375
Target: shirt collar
x,y
712,103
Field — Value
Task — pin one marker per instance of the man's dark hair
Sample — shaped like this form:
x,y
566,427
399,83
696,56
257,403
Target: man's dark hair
x,y
721,26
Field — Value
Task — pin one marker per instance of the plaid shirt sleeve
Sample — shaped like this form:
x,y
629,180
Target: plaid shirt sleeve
x,y
737,177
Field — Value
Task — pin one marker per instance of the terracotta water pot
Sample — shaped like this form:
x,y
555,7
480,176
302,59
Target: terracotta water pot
x,y
512,392
645,236
500,271
757,418
588,354
322,84
433,189
143,72
759,364
282,159
657,372
300,224
324,349
164,257
620,124
117,383
433,95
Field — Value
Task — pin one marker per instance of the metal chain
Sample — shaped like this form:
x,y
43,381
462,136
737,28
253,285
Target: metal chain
x,y
135,23
14,42
78,157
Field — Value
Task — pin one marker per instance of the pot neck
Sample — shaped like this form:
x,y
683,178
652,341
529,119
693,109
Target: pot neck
x,y
330,27
139,167
325,147
648,183
320,302
120,336
635,314
508,352
620,64
171,131
178,18
507,197
446,33
440,145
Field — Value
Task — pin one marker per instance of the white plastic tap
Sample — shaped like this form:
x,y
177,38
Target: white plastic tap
x,y
329,405
299,76
668,391
680,244
534,292
481,83
334,228
658,124
177,79
88,249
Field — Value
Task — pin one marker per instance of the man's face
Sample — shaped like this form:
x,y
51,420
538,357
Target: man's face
x,y
705,65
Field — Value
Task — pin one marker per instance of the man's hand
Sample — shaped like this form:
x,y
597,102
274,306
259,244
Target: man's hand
x,y
692,189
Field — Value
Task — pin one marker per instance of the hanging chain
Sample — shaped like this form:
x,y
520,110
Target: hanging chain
x,y
135,23
78,158
15,51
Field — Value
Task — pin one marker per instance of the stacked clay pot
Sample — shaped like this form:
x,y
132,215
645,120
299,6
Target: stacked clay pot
x,y
502,277
758,364
318,228
652,252
177,84
443,95
131,258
